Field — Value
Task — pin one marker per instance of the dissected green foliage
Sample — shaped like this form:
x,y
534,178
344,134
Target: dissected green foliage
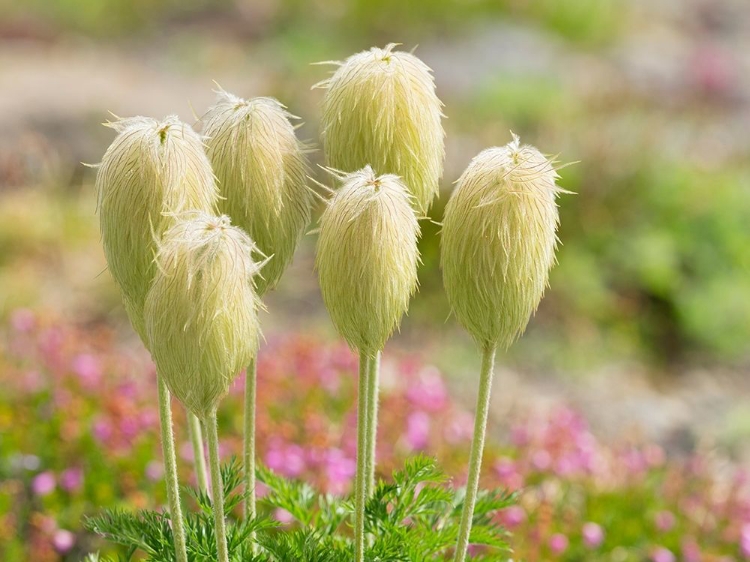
x,y
412,518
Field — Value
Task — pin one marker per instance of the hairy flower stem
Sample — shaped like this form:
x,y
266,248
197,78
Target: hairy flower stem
x,y
249,444
170,470
373,389
360,482
217,487
477,448
199,457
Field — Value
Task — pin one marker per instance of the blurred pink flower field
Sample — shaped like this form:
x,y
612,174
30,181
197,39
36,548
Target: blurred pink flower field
x,y
79,432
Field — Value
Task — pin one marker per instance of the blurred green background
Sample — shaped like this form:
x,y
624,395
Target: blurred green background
x,y
645,329
651,98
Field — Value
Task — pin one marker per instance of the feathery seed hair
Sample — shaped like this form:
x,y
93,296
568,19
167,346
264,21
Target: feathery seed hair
x,y
498,241
367,257
151,170
201,313
262,172
380,109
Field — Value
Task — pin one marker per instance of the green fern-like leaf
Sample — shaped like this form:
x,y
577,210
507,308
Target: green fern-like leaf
x,y
297,498
413,518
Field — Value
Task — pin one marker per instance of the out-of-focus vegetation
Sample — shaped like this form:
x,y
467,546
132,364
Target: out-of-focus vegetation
x,y
654,263
578,20
80,433
650,97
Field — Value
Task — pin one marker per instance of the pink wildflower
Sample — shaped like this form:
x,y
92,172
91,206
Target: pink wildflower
x,y
102,430
593,535
33,381
286,459
428,392
541,460
662,554
691,552
745,540
88,370
459,428
558,543
71,479
664,520
339,470
129,427
22,320
417,430
513,516
63,541
154,471
282,516
43,483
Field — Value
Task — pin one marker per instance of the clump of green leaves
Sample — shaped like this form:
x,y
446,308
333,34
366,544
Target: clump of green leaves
x,y
413,517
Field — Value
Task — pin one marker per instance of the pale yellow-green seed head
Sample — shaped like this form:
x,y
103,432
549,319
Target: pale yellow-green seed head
x,y
201,313
367,257
262,172
498,241
151,170
381,110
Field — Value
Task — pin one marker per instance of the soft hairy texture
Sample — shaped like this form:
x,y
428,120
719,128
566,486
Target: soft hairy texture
x,y
151,170
381,110
201,313
262,172
367,257
498,241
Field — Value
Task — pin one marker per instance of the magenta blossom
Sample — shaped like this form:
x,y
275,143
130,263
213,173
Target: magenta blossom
x,y
71,479
282,516
541,460
154,471
459,428
513,516
63,541
428,391
88,370
662,554
288,460
417,430
43,483
102,430
593,535
745,540
558,543
664,520
22,320
339,470
691,552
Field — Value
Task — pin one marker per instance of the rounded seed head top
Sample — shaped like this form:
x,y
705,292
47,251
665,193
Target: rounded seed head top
x,y
381,109
201,313
498,241
367,257
151,170
262,172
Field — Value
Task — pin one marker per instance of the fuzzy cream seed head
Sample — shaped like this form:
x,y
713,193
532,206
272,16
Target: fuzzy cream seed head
x,y
380,109
367,257
498,241
151,170
201,314
262,172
